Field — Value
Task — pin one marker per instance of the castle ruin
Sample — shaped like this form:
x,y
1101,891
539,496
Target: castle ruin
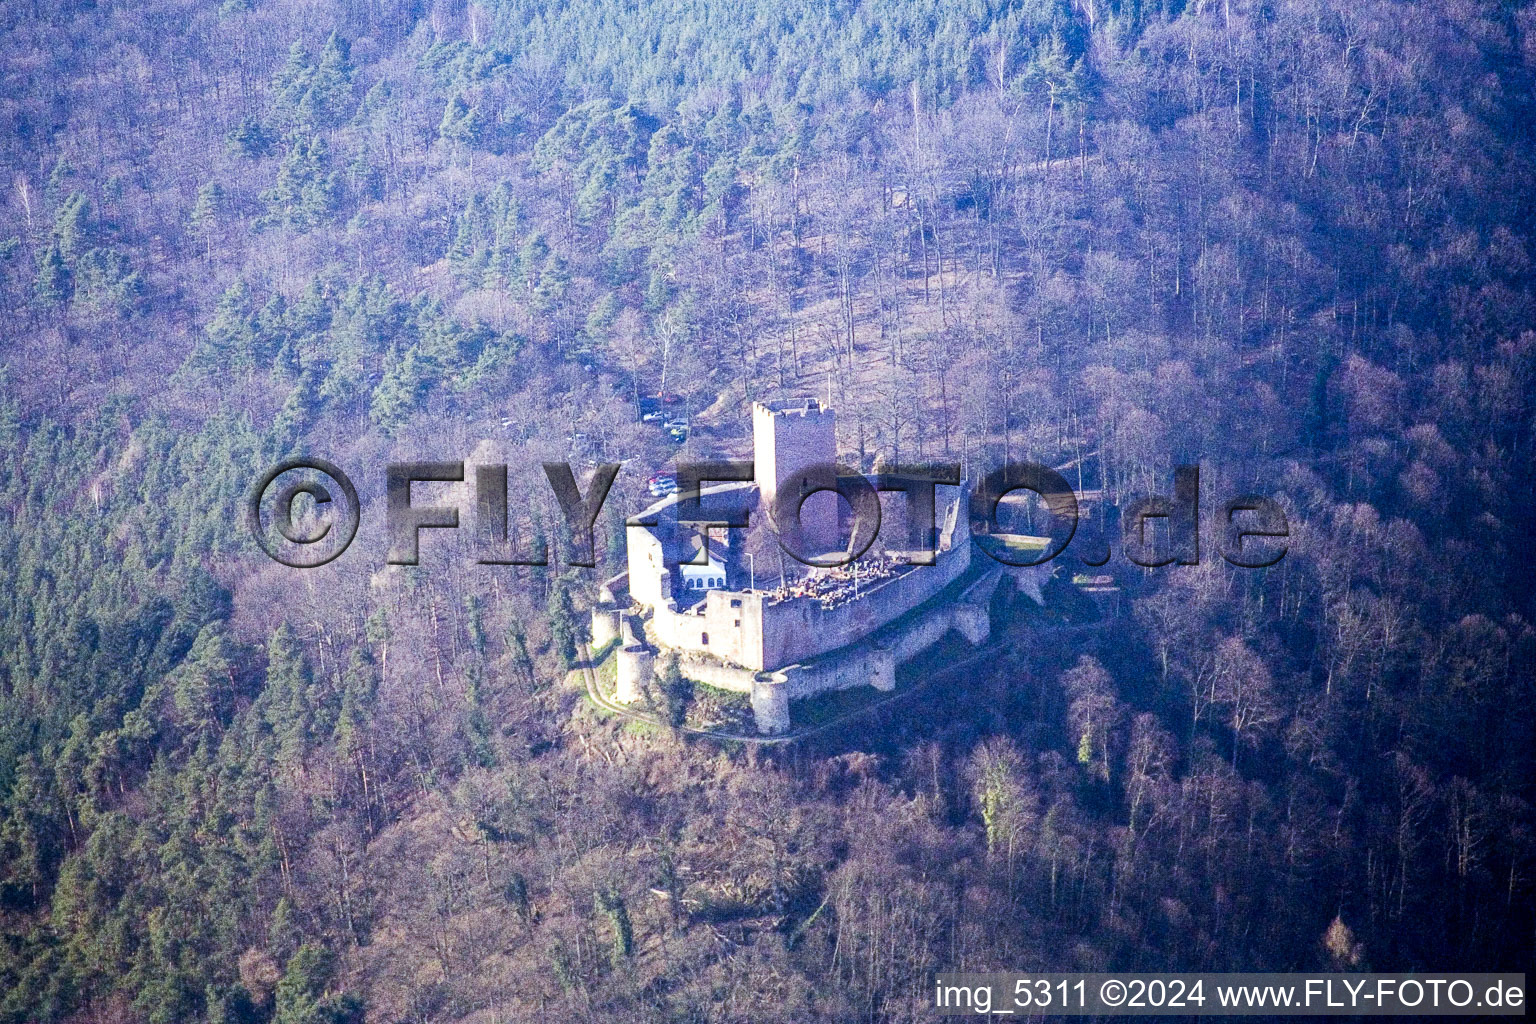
x,y
746,624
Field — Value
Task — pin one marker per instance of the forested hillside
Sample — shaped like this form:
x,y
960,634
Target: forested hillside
x,y
1287,240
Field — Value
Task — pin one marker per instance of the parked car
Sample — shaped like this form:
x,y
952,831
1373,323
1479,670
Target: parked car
x,y
677,428
661,485
657,408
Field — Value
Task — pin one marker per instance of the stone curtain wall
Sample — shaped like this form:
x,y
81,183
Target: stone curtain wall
x,y
794,631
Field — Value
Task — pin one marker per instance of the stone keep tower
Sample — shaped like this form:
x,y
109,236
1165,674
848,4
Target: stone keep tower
x,y
789,438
